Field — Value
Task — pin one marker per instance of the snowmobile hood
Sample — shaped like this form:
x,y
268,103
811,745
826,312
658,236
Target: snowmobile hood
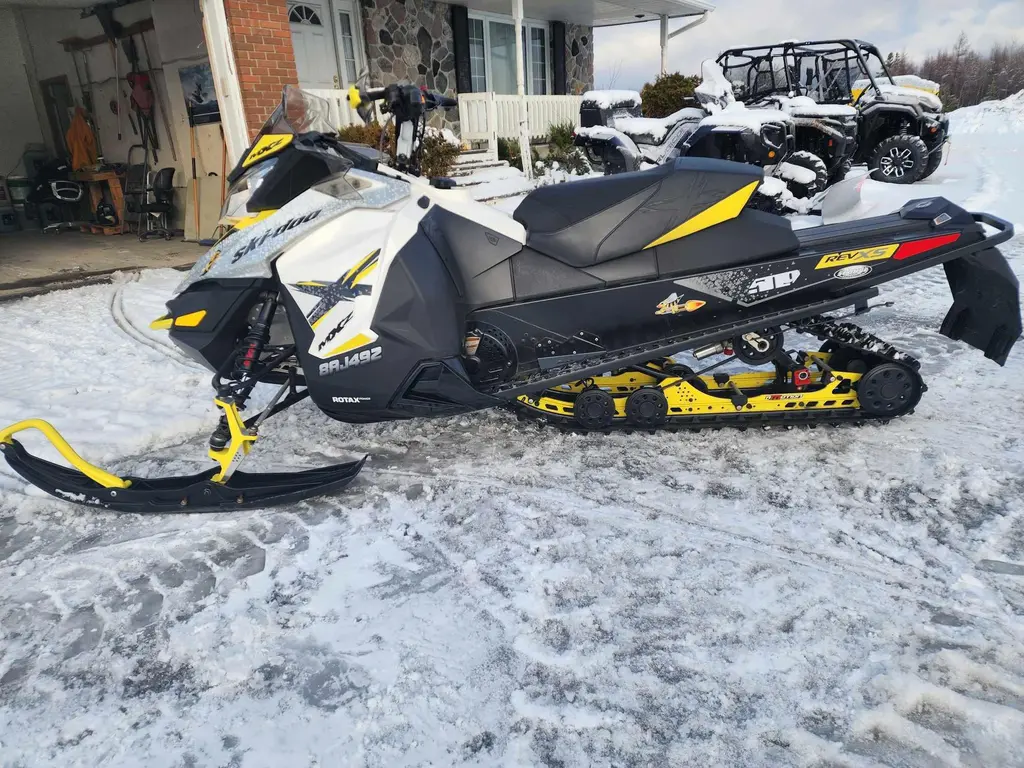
x,y
250,252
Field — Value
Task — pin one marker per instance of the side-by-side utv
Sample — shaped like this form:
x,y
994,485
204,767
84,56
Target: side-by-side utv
x,y
901,128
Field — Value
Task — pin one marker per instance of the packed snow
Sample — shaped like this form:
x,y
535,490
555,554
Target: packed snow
x,y
654,129
805,106
736,115
612,99
492,594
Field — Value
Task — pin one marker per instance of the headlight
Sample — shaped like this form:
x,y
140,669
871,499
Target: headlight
x,y
238,195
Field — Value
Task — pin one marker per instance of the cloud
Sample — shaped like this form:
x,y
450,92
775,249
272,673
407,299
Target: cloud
x,y
916,26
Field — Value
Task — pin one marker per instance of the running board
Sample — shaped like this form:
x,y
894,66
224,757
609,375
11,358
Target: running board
x,y
592,365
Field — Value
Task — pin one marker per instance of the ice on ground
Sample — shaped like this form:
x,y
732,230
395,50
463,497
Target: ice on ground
x,y
492,594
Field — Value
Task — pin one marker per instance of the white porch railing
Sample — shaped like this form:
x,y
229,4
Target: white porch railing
x,y
341,114
482,116
487,116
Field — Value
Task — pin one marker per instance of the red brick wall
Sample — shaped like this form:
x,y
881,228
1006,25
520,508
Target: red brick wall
x,y
262,41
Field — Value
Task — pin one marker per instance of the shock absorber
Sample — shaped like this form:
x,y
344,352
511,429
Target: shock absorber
x,y
241,379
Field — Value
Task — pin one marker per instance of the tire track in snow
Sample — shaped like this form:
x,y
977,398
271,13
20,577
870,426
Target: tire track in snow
x,y
125,326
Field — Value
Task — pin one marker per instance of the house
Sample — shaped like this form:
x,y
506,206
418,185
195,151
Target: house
x,y
56,55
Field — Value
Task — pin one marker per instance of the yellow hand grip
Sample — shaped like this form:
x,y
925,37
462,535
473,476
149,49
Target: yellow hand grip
x,y
94,473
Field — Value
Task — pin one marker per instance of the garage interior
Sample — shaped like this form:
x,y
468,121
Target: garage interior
x,y
108,107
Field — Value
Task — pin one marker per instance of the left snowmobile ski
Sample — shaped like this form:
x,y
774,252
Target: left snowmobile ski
x,y
381,296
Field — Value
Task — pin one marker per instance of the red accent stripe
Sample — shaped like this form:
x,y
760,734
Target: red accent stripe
x,y
915,247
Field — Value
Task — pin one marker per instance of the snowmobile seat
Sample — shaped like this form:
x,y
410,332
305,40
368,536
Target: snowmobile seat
x,y
593,221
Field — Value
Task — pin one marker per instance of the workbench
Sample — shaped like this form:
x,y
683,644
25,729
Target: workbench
x,y
95,181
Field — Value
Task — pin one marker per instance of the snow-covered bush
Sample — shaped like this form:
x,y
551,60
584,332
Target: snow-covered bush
x,y
667,94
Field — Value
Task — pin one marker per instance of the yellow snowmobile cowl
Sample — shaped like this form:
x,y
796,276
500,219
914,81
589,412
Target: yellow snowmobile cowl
x,y
267,146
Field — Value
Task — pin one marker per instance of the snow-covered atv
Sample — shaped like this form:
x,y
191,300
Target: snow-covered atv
x,y
901,128
616,139
380,296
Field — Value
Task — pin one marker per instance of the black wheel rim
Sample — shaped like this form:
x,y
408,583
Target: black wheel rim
x,y
646,407
888,390
594,409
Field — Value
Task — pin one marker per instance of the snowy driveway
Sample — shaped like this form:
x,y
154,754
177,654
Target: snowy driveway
x,y
493,595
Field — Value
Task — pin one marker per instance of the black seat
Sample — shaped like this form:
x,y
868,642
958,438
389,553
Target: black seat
x,y
592,221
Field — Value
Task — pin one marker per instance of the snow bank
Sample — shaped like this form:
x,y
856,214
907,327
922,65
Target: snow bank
x,y
610,99
1005,116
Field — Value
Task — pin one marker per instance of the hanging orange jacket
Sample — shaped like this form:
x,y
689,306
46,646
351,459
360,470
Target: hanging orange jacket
x,y
81,141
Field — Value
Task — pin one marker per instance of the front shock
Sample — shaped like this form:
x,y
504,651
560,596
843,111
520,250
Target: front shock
x,y
244,366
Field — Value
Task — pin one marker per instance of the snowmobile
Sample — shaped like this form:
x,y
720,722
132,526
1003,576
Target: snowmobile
x,y
616,139
381,296
901,128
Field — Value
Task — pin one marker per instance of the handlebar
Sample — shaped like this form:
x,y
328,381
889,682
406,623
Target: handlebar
x,y
361,100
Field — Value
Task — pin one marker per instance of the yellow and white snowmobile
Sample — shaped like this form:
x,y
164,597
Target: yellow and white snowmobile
x,y
381,296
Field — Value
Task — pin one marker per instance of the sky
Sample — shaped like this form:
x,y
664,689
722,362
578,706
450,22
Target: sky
x,y
631,55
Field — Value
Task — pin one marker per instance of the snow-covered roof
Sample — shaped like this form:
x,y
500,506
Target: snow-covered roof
x,y
595,13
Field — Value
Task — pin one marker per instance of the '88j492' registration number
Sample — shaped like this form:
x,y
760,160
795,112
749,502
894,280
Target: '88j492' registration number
x,y
339,364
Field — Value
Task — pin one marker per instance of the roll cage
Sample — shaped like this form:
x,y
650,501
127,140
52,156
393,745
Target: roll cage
x,y
825,70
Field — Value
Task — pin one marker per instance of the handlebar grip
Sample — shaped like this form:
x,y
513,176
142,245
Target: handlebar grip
x,y
447,102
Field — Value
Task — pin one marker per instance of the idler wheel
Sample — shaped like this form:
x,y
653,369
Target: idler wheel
x,y
647,407
594,409
888,390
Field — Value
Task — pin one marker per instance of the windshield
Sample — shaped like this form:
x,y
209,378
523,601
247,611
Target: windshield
x,y
249,252
299,112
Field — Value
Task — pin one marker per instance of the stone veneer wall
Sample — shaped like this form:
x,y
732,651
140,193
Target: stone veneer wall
x,y
579,58
411,41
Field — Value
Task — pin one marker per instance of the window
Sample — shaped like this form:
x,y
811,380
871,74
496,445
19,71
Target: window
x,y
348,47
303,14
492,54
538,60
477,58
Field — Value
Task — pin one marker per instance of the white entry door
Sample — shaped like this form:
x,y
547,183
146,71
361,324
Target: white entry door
x,y
349,34
314,49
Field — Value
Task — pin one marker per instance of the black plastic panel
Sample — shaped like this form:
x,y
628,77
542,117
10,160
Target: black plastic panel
x,y
751,237
536,275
